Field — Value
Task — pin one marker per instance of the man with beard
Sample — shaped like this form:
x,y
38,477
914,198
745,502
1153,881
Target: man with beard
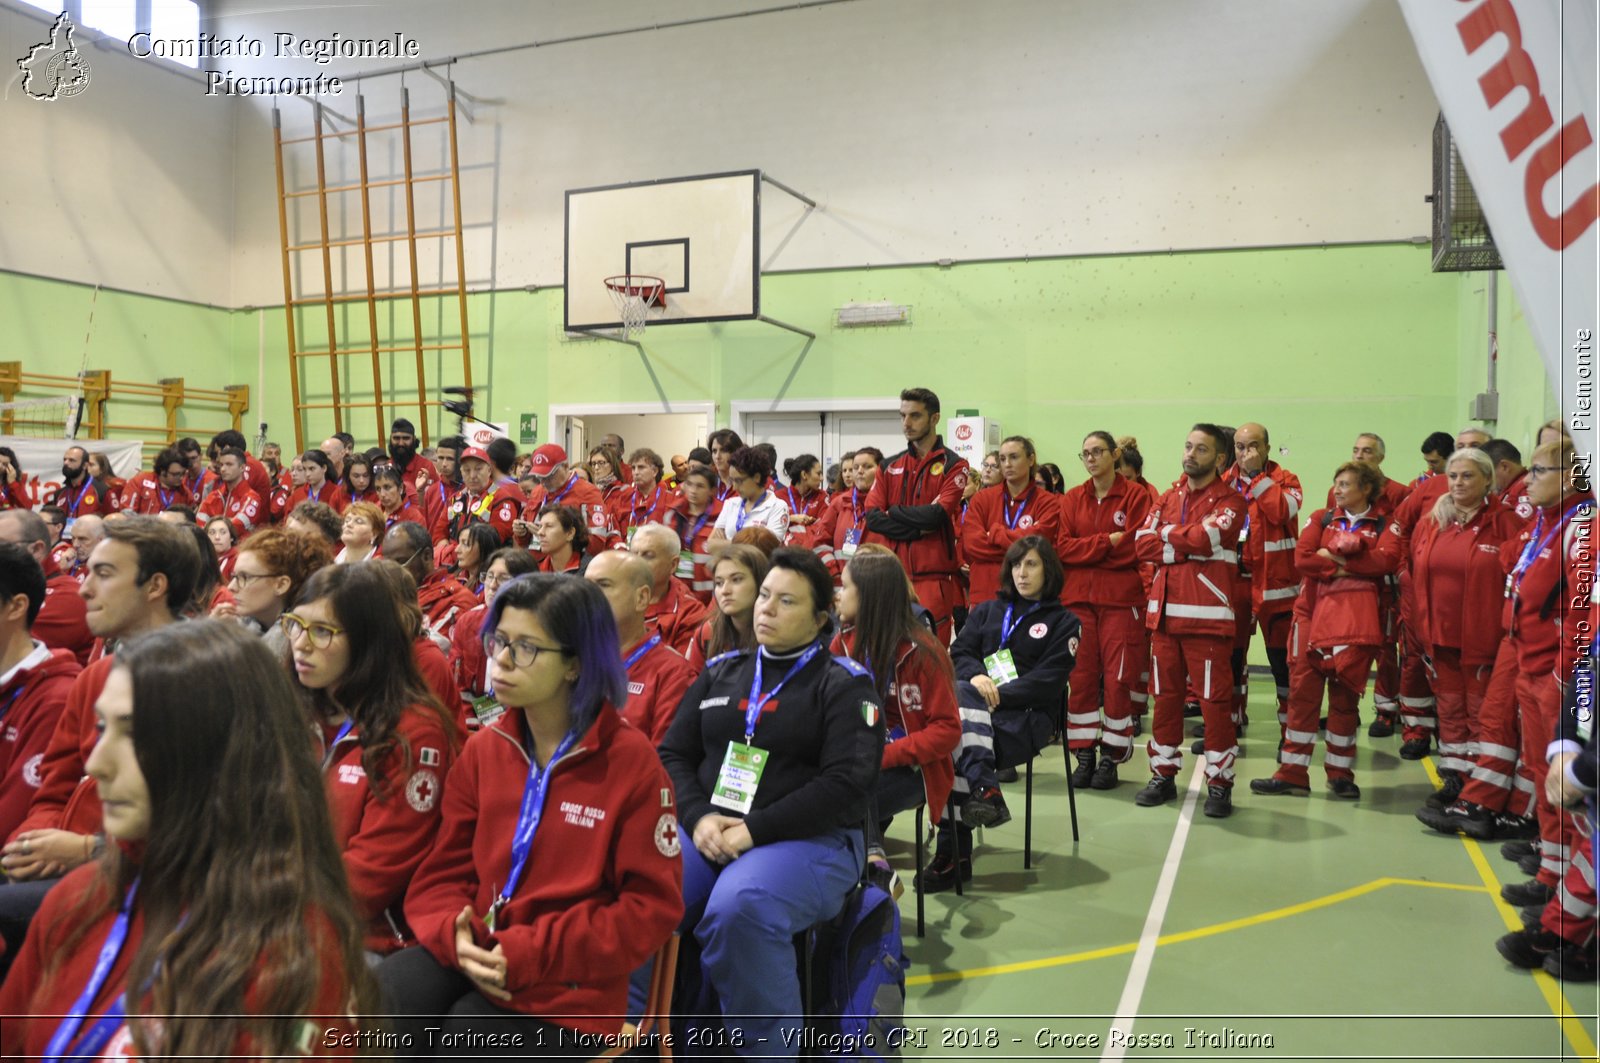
x,y
403,449
80,494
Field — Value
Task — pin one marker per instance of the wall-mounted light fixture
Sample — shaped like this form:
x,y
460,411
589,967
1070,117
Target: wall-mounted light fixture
x,y
856,315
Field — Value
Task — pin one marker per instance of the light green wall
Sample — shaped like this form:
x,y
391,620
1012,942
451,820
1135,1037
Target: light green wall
x,y
1315,343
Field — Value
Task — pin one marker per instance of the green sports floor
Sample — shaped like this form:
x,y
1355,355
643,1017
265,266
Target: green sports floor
x,y
1297,929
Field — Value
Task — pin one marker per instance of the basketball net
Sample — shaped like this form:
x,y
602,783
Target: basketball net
x,y
633,295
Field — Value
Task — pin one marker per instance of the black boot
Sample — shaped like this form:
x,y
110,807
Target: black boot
x,y
940,874
1084,773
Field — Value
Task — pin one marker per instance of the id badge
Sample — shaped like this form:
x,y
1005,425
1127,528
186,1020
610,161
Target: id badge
x,y
487,710
1001,668
739,777
685,565
633,529
852,539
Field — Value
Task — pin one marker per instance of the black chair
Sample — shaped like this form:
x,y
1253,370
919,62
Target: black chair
x,y
922,845
1059,724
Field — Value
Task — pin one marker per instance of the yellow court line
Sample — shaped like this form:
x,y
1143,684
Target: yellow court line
x,y
1186,935
1549,987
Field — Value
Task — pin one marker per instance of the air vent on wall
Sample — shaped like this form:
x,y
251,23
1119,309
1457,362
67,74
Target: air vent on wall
x,y
1461,238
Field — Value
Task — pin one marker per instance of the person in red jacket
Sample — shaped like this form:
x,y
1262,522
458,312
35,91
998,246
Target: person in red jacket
x,y
468,663
232,498
62,622
914,508
646,502
805,495
413,468
1191,536
141,576
674,612
387,743
34,680
694,518
1458,581
998,516
442,597
318,486
176,943
913,675
838,532
1510,477
1343,552
487,495
657,674
80,493
1104,591
397,506
560,485
558,868
149,493
255,473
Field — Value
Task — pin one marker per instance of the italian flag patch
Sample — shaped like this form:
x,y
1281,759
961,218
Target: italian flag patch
x,y
869,713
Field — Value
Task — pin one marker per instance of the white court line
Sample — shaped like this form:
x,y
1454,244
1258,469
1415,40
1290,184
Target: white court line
x,y
1139,973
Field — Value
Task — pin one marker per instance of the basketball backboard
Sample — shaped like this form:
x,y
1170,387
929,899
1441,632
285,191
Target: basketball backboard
x,y
701,235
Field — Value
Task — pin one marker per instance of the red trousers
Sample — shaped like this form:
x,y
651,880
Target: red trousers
x,y
1571,914
1397,619
1539,702
1344,675
1458,690
939,595
1110,651
1500,781
1202,660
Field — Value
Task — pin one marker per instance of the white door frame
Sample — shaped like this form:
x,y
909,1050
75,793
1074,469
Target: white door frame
x,y
559,412
740,409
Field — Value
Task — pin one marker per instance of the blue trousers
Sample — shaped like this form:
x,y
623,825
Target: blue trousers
x,y
745,915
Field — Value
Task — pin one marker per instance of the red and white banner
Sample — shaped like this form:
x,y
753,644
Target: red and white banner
x,y
1516,80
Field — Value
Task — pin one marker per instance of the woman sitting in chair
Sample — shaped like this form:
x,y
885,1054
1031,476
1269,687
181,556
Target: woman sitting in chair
x,y
1012,660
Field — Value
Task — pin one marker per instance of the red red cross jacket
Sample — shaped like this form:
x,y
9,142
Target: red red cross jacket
x,y
914,508
582,496
31,704
1482,595
628,508
145,496
1343,610
986,531
1191,537
845,514
443,599
1516,497
67,798
603,885
656,683
812,505
384,841
468,663
333,494
407,511
1267,545
499,508
62,623
239,503
84,499
678,615
1097,572
922,711
1551,599
694,533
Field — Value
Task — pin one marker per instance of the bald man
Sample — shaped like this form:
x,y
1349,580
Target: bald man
x,y
657,675
673,611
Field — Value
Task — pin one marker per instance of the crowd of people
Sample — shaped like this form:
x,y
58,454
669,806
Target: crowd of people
x,y
716,689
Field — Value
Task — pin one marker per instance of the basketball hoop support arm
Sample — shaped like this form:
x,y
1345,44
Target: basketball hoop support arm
x,y
811,337
661,393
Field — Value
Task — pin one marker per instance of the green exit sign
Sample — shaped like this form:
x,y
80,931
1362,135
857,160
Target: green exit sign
x,y
528,428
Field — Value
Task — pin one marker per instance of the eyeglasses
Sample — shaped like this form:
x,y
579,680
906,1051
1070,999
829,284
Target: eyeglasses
x,y
321,635
1090,455
244,579
523,653
1540,470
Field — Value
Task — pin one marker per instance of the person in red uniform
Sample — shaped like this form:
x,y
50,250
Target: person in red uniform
x,y
558,868
838,533
319,485
256,474
914,508
486,496
468,664
1266,559
149,493
1344,552
560,485
646,502
397,506
387,743
694,518
723,443
1510,477
673,612
998,516
1130,466
1191,535
202,767
1104,591
80,493
34,680
804,494
1458,582
141,577
61,624
441,596
403,452
563,540
232,498
658,675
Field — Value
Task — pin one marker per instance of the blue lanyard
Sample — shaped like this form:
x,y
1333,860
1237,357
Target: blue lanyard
x,y
87,483
12,700
633,658
758,700
795,508
556,501
635,508
744,514
1007,628
1536,544
1010,517
699,524
855,506
103,1028
165,496
533,795
316,496
327,758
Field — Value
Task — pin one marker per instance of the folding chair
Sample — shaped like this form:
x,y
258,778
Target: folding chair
x,y
657,1006
1072,796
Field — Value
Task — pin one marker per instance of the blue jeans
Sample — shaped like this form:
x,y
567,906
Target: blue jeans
x,y
745,915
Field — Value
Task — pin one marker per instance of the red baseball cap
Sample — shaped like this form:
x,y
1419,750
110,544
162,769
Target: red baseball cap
x,y
476,454
547,458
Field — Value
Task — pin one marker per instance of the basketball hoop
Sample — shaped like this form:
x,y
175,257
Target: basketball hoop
x,y
633,295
